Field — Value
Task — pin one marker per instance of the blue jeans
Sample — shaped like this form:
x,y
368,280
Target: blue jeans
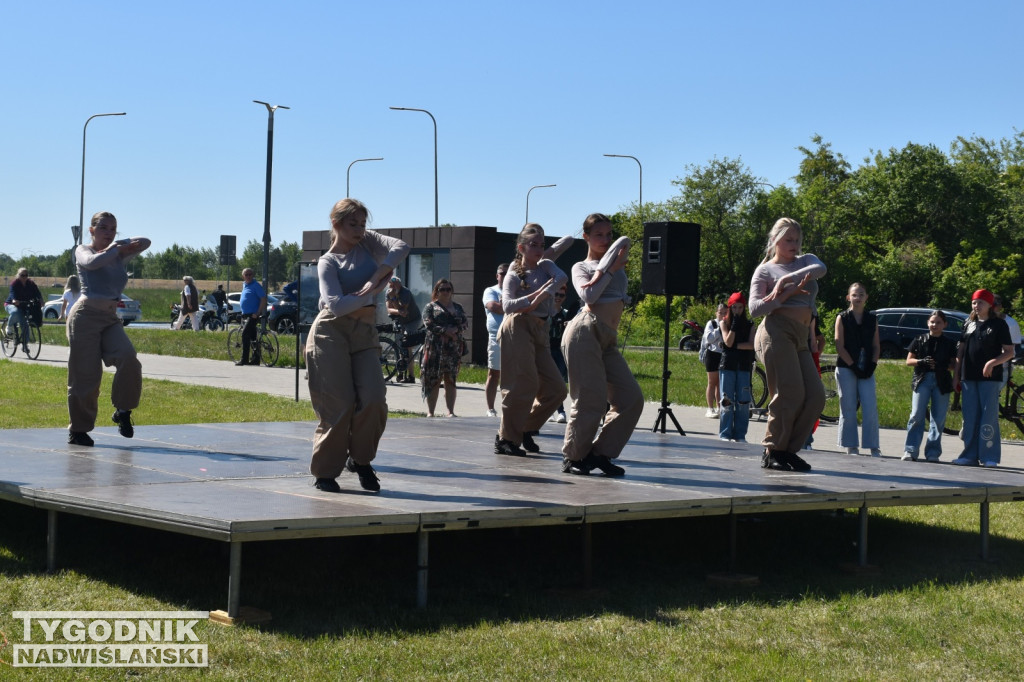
x,y
927,392
852,390
734,414
980,402
17,317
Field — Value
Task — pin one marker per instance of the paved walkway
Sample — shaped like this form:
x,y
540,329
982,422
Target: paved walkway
x,y
470,402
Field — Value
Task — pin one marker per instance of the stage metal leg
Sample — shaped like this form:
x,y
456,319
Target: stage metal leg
x,y
862,558
422,564
588,556
984,530
51,541
234,579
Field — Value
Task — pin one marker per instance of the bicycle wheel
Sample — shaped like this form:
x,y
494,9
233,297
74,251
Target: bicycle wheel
x,y
9,341
269,348
389,357
830,413
954,416
235,344
758,387
1014,410
35,341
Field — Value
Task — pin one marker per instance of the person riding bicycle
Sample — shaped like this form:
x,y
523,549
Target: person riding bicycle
x,y
403,309
23,295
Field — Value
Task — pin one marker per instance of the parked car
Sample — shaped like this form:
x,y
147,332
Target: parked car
x,y
128,310
51,309
897,327
235,308
283,314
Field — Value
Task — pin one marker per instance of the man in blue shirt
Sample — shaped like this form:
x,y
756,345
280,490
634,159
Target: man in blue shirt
x,y
253,302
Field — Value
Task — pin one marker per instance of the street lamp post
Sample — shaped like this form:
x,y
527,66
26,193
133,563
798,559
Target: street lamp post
x,y
266,209
627,156
347,194
528,199
77,234
436,223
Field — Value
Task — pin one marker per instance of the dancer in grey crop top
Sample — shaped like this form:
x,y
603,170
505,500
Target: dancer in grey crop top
x,y
346,387
600,382
783,289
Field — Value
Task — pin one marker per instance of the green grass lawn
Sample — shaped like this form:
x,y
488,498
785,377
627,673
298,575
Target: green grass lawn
x,y
508,604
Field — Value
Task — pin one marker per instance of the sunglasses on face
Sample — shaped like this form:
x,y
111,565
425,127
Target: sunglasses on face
x,y
443,289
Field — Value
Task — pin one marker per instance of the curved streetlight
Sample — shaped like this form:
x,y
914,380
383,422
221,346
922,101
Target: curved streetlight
x,y
81,199
528,199
381,158
627,156
266,207
436,223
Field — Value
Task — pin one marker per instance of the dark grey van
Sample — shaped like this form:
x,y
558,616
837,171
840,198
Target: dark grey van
x,y
897,327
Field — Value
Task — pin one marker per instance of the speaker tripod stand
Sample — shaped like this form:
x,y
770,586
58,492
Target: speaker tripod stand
x,y
665,412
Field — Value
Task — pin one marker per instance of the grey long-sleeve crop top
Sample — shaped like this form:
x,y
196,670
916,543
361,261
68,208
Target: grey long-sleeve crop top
x,y
348,272
611,286
767,274
102,273
515,291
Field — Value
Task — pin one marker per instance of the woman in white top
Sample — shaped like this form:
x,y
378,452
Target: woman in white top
x,y
72,290
598,375
346,386
783,290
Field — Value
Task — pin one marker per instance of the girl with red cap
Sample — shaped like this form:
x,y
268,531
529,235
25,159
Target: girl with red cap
x,y
734,371
984,347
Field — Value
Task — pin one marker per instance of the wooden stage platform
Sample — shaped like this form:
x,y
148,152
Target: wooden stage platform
x,y
241,483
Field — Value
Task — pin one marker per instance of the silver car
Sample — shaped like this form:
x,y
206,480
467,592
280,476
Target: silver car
x,y
128,309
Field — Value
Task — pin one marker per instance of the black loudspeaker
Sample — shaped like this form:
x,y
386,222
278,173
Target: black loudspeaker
x,y
671,258
227,249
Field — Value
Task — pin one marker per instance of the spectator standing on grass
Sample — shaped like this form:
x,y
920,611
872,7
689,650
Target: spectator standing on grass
x,y
984,346
1015,336
783,290
932,356
189,304
346,387
735,369
495,314
857,351
253,303
402,308
443,346
711,357
72,291
96,336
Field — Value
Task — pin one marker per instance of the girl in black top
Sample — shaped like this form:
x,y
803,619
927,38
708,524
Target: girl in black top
x,y
857,350
734,371
932,356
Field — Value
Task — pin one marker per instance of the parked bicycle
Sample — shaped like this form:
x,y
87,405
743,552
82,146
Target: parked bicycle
x,y
759,391
1011,405
267,347
400,350
11,339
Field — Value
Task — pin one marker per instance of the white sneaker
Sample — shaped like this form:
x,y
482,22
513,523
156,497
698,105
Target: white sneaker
x,y
553,418
561,418
907,456
492,413
990,465
711,414
875,452
852,451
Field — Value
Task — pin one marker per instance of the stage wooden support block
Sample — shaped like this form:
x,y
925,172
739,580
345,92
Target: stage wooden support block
x,y
731,579
247,615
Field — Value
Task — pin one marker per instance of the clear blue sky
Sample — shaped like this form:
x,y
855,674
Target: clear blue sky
x,y
525,93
